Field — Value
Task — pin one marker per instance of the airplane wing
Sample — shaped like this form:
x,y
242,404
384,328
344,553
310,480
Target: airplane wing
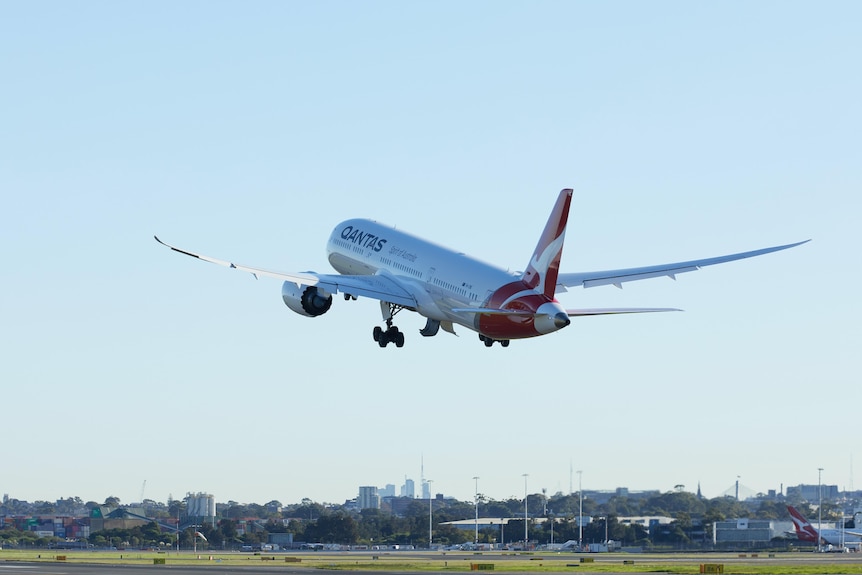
x,y
377,287
618,277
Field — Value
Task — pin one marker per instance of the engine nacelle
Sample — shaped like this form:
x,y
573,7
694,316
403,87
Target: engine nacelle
x,y
309,301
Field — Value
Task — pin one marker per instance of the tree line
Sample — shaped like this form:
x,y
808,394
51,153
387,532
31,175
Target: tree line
x,y
308,521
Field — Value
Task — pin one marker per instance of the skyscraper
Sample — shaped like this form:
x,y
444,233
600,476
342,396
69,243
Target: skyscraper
x,y
368,498
408,489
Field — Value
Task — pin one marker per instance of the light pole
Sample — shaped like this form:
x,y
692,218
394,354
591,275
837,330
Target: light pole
x,y
195,537
819,506
526,536
580,511
842,529
476,501
430,512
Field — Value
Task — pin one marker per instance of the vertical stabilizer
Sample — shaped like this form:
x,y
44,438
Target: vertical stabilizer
x,y
804,530
544,266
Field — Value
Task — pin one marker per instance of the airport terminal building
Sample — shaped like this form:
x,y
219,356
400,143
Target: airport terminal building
x,y
750,532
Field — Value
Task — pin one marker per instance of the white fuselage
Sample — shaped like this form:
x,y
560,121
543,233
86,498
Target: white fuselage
x,y
840,537
442,279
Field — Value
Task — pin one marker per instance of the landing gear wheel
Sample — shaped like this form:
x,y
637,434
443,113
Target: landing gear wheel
x,y
390,335
489,342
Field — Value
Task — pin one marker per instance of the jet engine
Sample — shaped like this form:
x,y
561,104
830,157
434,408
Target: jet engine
x,y
309,301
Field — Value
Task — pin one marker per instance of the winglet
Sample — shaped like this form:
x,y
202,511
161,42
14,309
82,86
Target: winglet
x,y
179,250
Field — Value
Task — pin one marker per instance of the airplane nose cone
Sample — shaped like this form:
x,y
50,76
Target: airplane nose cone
x,y
561,320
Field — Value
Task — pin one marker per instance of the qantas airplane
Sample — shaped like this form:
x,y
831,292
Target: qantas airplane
x,y
805,531
447,287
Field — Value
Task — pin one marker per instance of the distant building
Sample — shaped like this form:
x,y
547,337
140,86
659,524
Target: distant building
x,y
750,531
399,505
200,506
646,521
810,492
104,517
284,540
408,489
388,491
368,497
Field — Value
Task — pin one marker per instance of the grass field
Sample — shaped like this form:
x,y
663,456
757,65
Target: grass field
x,y
735,564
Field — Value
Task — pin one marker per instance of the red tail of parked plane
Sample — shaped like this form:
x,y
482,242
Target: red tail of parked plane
x,y
833,538
804,530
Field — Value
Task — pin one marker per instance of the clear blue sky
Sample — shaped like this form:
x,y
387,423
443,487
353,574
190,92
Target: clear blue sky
x,y
247,130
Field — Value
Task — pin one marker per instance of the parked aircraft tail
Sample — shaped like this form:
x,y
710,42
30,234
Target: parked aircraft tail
x,y
805,531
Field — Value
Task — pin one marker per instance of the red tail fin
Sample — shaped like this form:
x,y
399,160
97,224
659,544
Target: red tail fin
x,y
544,266
804,530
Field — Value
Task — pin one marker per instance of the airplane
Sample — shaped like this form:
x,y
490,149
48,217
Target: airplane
x,y
447,287
805,531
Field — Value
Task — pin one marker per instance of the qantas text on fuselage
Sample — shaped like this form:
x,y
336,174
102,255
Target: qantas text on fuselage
x,y
362,239
449,288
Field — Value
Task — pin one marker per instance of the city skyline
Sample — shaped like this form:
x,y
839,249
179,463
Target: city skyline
x,y
745,492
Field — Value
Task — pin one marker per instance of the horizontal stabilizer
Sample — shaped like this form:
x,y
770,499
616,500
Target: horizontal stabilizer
x,y
617,310
570,312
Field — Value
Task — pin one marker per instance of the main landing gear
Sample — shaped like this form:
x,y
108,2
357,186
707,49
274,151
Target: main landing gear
x,y
489,342
391,334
